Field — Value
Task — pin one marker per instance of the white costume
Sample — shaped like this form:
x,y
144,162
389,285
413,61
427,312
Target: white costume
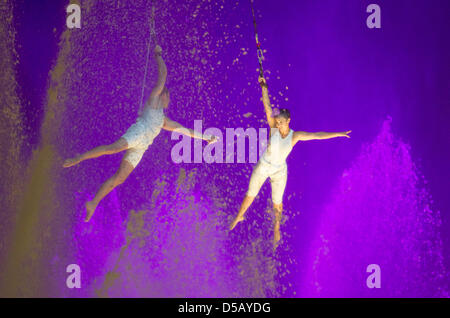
x,y
272,164
140,135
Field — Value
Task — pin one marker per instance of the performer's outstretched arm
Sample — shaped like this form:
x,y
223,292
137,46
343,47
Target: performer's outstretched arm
x,y
162,73
303,135
266,102
171,125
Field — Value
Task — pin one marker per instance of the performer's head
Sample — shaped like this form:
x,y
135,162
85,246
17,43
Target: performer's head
x,y
165,97
282,118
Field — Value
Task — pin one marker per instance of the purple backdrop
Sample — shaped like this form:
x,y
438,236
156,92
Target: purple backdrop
x,y
379,197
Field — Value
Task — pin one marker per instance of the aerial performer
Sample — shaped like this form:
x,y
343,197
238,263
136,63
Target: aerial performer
x,y
138,137
272,164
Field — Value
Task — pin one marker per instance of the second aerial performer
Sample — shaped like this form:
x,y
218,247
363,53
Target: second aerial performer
x,y
272,163
138,137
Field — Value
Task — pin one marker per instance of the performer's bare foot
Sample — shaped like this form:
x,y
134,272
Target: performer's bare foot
x,y
236,221
71,162
90,209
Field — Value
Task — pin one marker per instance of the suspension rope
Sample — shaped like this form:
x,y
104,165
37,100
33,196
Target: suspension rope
x,y
259,51
152,35
152,26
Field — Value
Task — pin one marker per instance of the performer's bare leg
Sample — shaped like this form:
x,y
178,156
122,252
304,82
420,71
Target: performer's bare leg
x,y
118,146
118,178
278,209
244,207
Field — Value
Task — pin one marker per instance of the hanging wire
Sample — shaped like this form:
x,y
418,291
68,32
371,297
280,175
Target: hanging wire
x,y
259,50
152,35
152,26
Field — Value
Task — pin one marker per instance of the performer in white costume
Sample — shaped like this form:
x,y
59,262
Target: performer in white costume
x,y
272,163
138,137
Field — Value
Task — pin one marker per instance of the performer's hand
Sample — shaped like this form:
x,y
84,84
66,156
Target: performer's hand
x,y
213,140
262,81
345,133
158,49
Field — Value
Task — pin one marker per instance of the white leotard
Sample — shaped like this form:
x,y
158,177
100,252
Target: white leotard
x,y
141,134
153,117
278,148
272,164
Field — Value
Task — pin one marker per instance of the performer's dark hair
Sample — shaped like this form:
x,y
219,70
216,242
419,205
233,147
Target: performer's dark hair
x,y
284,112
